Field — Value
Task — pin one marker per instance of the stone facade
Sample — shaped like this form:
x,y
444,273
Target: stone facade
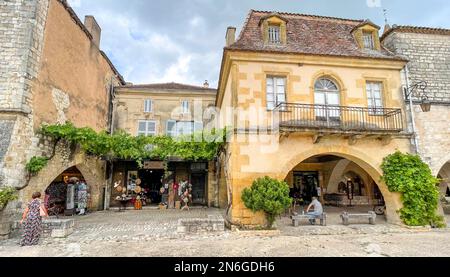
x,y
429,56
166,106
43,46
428,51
261,146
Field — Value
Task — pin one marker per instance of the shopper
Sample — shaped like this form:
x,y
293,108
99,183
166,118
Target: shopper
x,y
32,221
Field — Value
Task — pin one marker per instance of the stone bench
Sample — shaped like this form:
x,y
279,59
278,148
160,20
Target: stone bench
x,y
371,216
195,225
296,219
55,228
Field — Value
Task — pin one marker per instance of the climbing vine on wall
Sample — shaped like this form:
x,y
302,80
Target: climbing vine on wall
x,y
36,164
409,175
199,146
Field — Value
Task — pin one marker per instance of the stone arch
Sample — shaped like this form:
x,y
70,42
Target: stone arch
x,y
92,169
328,74
333,182
393,200
444,174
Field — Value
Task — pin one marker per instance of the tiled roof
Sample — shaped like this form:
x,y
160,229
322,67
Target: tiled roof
x,y
169,86
416,29
308,34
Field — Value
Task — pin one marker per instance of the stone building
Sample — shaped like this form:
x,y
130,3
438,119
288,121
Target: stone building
x,y
316,101
51,71
166,109
428,52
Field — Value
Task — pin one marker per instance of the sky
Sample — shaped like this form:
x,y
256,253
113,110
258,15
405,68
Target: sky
x,y
153,41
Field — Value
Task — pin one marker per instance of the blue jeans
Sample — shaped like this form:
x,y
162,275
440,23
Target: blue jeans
x,y
314,215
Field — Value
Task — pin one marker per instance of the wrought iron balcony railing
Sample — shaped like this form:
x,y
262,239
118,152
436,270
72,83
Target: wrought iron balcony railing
x,y
338,118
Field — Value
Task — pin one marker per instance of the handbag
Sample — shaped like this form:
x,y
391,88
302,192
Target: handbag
x,y
42,211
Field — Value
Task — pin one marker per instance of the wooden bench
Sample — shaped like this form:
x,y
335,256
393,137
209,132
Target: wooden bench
x,y
296,219
371,216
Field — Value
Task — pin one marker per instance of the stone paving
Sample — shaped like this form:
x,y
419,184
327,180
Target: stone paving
x,y
154,233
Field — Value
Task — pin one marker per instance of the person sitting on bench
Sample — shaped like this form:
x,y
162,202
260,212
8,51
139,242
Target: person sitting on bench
x,y
318,210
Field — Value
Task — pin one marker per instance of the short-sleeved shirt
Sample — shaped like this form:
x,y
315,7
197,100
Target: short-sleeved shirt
x,y
317,206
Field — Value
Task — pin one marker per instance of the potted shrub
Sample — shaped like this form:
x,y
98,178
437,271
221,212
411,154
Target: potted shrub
x,y
269,196
7,194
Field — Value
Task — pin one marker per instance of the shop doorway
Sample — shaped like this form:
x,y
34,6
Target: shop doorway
x,y
151,183
68,194
306,185
198,181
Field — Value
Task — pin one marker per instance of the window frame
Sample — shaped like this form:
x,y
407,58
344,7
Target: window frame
x,y
146,101
374,109
146,132
188,108
367,34
173,132
274,32
275,94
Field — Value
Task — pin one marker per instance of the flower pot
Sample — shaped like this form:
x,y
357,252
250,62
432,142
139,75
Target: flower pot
x,y
5,230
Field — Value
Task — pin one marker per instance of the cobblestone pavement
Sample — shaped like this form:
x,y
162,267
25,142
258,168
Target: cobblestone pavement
x,y
152,233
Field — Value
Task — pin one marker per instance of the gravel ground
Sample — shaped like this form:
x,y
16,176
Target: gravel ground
x,y
153,234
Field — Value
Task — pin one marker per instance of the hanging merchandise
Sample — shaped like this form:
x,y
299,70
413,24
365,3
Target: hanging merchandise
x,y
82,197
70,200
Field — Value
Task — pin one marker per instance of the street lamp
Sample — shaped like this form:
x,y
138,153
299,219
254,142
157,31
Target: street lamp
x,y
418,89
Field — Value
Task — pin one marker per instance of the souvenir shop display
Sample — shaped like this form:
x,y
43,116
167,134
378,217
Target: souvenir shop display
x,y
82,198
138,203
70,200
124,200
171,199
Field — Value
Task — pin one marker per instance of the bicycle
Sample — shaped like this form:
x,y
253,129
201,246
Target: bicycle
x,y
55,209
380,208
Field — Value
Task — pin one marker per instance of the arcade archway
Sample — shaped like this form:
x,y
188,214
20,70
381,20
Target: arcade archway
x,y
341,180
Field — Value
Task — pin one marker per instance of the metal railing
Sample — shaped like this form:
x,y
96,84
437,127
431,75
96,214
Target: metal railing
x,y
341,118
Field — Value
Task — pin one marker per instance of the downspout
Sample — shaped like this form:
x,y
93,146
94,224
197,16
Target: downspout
x,y
411,109
111,131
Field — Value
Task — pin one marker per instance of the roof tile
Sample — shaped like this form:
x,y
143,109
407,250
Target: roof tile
x,y
308,34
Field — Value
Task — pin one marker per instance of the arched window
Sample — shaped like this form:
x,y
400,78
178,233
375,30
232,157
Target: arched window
x,y
327,97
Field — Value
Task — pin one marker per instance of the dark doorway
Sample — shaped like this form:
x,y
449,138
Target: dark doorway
x,y
308,182
198,181
151,183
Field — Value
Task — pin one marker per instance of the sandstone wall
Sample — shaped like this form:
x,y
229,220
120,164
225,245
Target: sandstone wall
x,y
51,72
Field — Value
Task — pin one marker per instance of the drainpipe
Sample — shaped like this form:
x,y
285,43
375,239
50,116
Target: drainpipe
x,y
111,117
411,109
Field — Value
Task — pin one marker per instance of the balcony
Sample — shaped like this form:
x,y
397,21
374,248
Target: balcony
x,y
338,119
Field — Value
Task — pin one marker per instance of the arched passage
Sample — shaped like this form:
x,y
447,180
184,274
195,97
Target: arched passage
x,y
392,200
444,187
92,170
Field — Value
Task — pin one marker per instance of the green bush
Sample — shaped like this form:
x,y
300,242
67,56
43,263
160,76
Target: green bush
x,y
269,196
7,194
409,175
36,164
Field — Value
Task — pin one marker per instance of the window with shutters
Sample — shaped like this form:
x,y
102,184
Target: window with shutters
x,y
375,98
171,128
148,106
274,34
368,40
276,91
146,128
185,107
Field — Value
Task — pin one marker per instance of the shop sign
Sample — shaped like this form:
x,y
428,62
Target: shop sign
x,y
153,165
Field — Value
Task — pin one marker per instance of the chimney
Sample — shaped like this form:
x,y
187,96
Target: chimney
x,y
387,27
206,84
93,28
231,36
